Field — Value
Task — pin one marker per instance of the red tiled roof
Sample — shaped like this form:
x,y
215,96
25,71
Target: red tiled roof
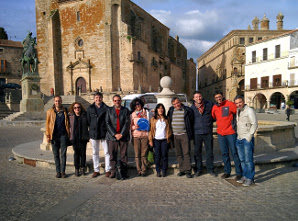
x,y
10,43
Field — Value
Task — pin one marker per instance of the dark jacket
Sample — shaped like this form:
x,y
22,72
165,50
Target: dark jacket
x,y
97,123
111,123
188,119
84,134
203,123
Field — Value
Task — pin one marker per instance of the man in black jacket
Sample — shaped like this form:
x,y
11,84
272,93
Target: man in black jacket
x,y
117,122
182,124
96,114
203,130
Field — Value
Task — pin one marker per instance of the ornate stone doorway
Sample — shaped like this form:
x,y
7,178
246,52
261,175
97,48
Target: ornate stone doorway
x,y
80,86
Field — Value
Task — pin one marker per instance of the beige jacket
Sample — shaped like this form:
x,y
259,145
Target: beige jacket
x,y
50,122
153,129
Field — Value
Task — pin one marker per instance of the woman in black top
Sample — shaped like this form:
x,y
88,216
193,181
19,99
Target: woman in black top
x,y
79,136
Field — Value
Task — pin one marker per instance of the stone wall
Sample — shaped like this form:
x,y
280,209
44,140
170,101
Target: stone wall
x,y
216,67
11,56
108,45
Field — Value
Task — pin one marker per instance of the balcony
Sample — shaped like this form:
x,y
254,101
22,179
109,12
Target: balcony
x,y
237,74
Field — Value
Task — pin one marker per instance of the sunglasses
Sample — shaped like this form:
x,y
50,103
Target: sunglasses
x,y
77,108
138,104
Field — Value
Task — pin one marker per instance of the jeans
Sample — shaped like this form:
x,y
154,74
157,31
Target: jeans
x,y
207,139
161,155
59,142
246,151
95,150
182,149
79,156
226,143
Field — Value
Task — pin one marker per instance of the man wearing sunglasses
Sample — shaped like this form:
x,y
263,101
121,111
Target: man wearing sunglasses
x,y
117,122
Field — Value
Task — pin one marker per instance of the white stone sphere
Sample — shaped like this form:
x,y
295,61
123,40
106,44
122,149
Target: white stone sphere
x,y
166,82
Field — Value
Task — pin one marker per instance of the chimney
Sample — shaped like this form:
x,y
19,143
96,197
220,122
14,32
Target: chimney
x,y
264,23
279,21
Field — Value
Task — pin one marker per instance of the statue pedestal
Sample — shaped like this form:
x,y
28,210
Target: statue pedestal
x,y
31,99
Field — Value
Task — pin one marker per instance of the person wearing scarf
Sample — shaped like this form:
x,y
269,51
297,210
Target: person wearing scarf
x,y
203,133
139,135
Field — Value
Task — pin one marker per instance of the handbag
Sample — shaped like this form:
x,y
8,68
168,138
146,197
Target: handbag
x,y
150,156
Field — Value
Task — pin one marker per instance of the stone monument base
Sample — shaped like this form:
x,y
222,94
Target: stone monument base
x,y
31,105
31,101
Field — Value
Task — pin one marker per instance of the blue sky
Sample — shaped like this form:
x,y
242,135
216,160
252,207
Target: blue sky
x,y
198,23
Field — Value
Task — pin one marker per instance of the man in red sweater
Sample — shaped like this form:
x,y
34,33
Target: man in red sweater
x,y
224,112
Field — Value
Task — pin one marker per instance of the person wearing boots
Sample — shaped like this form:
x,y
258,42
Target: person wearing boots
x,y
79,136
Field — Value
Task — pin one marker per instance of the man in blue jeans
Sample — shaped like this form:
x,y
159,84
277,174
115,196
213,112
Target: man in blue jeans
x,y
57,132
224,112
247,125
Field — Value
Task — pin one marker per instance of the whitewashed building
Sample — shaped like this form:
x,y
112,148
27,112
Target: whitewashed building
x,y
271,71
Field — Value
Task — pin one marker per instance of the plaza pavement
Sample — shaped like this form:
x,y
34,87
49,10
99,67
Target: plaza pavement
x,y
33,193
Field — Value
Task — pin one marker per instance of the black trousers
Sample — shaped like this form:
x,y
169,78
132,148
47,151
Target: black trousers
x,y
207,139
79,156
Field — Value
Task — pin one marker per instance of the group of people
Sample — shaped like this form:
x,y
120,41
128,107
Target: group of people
x,y
114,127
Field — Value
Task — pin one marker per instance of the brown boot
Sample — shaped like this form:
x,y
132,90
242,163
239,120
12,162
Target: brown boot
x,y
63,175
58,175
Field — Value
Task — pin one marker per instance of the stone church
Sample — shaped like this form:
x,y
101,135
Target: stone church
x,y
107,45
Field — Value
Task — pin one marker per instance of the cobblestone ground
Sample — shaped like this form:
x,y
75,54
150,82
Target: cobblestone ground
x,y
27,191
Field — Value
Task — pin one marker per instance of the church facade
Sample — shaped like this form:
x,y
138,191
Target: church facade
x,y
107,45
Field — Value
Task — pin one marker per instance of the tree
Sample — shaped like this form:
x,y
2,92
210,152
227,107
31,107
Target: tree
x,y
3,34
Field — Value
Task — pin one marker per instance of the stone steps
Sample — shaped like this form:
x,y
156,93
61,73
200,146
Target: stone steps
x,y
27,116
68,100
4,111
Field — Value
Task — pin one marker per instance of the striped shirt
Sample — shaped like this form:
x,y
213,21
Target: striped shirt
x,y
178,124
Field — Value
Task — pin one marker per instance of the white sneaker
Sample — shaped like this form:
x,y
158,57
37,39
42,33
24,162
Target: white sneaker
x,y
248,182
242,180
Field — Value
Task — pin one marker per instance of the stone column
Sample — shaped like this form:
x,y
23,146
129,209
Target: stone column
x,y
166,95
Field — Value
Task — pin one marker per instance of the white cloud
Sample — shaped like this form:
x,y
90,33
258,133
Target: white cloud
x,y
198,31
163,16
195,47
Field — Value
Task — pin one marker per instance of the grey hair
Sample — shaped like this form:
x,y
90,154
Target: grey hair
x,y
175,98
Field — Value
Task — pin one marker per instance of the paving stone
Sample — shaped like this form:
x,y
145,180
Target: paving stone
x,y
33,192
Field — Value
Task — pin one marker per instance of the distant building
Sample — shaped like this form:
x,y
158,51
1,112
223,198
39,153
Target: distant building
x,y
108,45
271,71
10,65
222,66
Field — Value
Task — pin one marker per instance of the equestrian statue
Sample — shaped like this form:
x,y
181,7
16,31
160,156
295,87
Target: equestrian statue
x,y
29,58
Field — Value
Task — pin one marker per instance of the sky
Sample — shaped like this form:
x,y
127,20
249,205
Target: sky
x,y
198,23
